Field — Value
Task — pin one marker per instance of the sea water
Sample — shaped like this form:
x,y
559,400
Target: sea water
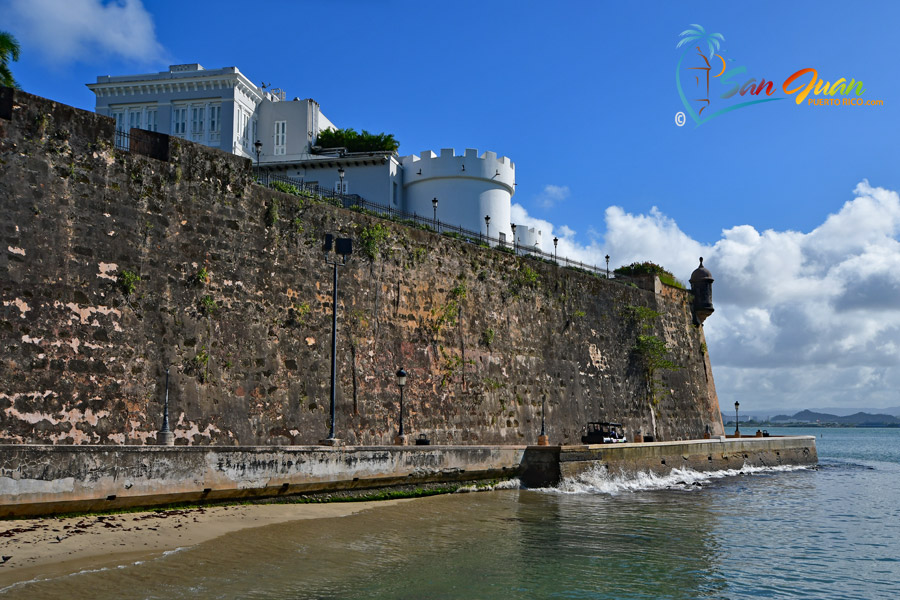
x,y
826,532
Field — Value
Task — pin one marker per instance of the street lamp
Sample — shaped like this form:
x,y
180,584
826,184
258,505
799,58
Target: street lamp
x,y
555,241
341,174
607,266
434,203
258,145
343,247
542,439
165,437
401,383
515,247
487,227
737,428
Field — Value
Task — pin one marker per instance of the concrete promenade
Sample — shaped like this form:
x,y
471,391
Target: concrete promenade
x,y
49,479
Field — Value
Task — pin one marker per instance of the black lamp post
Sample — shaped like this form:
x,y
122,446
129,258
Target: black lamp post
x,y
542,438
434,203
515,247
487,227
555,241
164,436
401,383
737,427
343,247
543,410
258,145
607,266
341,174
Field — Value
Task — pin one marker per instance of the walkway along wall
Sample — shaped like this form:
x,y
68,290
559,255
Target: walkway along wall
x,y
114,266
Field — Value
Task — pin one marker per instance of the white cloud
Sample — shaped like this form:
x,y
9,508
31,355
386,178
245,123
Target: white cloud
x,y
552,195
75,30
802,319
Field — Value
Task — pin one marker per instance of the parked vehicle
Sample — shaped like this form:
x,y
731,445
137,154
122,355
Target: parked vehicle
x,y
601,432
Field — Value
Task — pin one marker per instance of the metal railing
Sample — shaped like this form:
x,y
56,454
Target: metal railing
x,y
140,141
355,202
123,140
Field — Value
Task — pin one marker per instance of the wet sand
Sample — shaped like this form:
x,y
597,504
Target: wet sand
x,y
50,547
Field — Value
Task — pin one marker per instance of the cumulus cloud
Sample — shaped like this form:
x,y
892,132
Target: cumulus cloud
x,y
75,30
802,319
552,195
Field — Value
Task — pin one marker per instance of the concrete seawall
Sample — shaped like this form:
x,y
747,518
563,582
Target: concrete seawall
x,y
45,479
699,455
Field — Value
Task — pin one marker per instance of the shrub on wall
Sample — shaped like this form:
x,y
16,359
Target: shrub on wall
x,y
357,142
648,268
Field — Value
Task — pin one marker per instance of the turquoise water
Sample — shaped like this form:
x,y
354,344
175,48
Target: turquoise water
x,y
831,532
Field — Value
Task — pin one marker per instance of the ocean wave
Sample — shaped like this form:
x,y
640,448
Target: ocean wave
x,y
599,480
507,484
40,579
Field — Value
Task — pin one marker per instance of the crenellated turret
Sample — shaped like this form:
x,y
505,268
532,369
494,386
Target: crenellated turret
x,y
468,188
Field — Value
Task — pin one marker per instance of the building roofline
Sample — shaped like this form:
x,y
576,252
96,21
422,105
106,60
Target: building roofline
x,y
194,78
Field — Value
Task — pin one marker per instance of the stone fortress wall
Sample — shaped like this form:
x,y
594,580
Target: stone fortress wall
x,y
234,297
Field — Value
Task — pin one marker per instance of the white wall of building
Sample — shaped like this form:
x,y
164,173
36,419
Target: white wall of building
x,y
204,106
373,177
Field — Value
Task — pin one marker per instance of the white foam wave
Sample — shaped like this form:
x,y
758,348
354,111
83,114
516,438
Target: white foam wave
x,y
599,480
507,484
86,571
40,579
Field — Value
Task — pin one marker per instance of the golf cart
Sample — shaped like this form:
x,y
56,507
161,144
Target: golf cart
x,y
601,432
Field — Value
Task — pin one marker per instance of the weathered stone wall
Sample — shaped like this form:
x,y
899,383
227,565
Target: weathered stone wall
x,y
234,295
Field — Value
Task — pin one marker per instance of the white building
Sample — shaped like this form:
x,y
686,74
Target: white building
x,y
222,108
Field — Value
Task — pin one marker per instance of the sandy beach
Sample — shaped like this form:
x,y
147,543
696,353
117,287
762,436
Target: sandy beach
x,y
50,547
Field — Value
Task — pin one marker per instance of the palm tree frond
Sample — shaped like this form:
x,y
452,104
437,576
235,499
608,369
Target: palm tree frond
x,y
700,27
690,32
686,41
8,45
6,78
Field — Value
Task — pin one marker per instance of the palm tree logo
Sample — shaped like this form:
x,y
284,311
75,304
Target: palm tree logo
x,y
700,36
695,38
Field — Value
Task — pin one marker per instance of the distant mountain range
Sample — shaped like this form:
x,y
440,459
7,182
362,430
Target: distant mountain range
x,y
858,419
841,411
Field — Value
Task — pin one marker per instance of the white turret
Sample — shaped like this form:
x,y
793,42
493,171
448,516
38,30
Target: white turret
x,y
468,188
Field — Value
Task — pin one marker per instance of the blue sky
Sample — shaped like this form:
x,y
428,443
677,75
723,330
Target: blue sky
x,y
793,206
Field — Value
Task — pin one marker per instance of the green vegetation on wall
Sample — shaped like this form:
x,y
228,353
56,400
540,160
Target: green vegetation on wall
x,y
128,281
650,350
649,268
373,239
